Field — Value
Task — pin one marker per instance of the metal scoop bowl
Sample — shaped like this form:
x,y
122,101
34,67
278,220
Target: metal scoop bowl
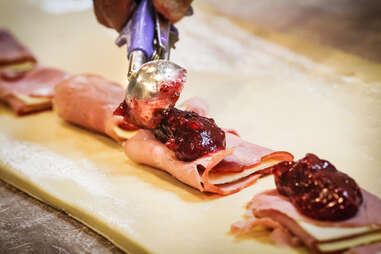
x,y
155,87
151,76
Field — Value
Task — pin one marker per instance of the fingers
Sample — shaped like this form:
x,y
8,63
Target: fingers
x,y
173,10
113,13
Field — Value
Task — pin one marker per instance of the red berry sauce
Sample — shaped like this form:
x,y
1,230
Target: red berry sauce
x,y
188,134
121,110
317,189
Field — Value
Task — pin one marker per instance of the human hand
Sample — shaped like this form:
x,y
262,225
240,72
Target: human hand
x,y
115,13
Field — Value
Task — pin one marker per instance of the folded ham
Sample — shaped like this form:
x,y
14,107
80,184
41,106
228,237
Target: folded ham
x,y
272,210
224,172
12,51
30,91
197,105
89,101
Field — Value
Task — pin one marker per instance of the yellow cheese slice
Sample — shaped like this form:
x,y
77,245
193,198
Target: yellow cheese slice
x,y
25,66
123,134
321,233
29,100
348,243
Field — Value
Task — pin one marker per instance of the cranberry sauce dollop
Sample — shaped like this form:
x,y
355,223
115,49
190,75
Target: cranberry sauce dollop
x,y
188,134
317,189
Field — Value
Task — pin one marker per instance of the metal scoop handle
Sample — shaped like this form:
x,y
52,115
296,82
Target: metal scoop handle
x,y
139,31
149,36
139,34
163,33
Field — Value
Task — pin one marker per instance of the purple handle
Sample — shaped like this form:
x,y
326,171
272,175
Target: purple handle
x,y
164,35
140,29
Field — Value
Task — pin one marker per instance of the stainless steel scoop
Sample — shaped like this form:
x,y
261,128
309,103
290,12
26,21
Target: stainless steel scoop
x,y
147,82
149,38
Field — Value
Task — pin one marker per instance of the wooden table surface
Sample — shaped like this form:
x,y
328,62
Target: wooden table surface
x,y
30,226
352,26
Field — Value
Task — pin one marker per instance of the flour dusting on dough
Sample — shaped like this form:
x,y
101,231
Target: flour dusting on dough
x,y
35,161
62,7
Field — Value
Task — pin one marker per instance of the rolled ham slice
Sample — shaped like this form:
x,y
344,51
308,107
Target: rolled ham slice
x,y
209,173
197,105
89,101
274,211
12,51
30,91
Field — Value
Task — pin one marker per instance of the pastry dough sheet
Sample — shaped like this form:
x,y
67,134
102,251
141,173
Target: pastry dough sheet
x,y
140,209
273,97
88,176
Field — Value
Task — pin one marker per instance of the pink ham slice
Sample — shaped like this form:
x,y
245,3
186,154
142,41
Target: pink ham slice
x,y
145,149
30,91
242,158
274,211
280,235
197,105
366,249
12,51
89,101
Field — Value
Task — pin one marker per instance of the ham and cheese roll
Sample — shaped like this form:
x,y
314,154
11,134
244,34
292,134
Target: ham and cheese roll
x,y
316,204
30,91
290,227
223,172
89,101
25,86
